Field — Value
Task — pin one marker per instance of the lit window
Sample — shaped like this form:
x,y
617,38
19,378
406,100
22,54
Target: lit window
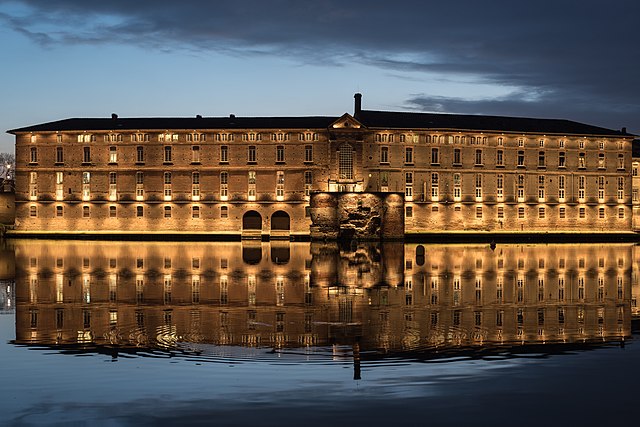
x,y
113,180
224,154
33,211
195,154
167,186
280,185
346,162
167,154
167,211
582,161
34,155
195,186
86,185
195,212
520,159
478,187
224,211
113,155
139,185
112,212
224,185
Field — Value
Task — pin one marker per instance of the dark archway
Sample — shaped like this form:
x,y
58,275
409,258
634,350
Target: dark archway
x,y
281,221
251,254
252,220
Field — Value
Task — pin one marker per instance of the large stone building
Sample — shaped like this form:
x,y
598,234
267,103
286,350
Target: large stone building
x,y
271,176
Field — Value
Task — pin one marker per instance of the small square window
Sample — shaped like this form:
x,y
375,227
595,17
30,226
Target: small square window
x,y
112,211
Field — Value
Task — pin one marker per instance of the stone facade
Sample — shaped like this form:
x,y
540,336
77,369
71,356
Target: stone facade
x,y
255,176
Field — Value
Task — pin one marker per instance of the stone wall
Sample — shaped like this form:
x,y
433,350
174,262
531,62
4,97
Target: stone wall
x,y
357,216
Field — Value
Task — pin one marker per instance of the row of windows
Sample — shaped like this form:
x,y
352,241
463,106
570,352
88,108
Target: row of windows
x,y
189,137
479,158
484,140
541,212
167,185
252,154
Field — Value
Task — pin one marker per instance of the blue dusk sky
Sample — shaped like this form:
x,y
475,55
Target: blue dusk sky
x,y
578,60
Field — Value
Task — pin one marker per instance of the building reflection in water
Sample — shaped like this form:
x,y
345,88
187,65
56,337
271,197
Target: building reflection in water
x,y
377,299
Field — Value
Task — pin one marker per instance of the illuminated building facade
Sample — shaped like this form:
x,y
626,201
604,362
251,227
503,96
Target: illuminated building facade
x,y
257,176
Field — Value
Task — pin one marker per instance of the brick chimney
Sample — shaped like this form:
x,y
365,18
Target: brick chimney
x,y
357,108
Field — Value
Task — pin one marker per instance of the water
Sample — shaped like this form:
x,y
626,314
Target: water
x,y
111,333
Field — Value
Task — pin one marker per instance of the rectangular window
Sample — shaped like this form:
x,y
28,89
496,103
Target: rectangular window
x,y
280,185
59,185
113,154
113,184
384,154
139,185
621,213
435,189
408,185
620,188
224,185
541,159
224,154
251,154
435,158
59,155
33,185
561,160
500,158
581,187
86,155
195,154
582,213
139,211
86,185
139,154
224,212
478,212
601,189
86,212
308,153
520,159
478,186
167,154
582,162
620,161
541,213
308,183
408,211
167,211
520,212
280,154
167,186
478,158
562,212
500,186
500,212
408,155
457,157
113,212
251,191
457,187
601,213
195,212
541,188
59,211
195,186
33,211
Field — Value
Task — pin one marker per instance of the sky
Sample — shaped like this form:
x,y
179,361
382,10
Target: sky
x,y
577,60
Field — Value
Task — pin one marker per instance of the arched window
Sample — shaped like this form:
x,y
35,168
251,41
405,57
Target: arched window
x,y
346,161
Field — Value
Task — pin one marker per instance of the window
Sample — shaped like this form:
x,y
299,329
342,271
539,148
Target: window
x,y
561,187
384,154
34,155
195,154
224,185
346,162
520,212
541,160
167,211
139,211
251,154
581,213
601,189
408,155
500,141
520,142
140,137
435,158
435,190
408,185
59,211
620,188
33,211
113,212
478,212
562,212
224,137
86,212
251,191
195,137
561,143
478,158
195,212
280,154
561,160
280,185
59,155
500,212
33,185
224,154
139,185
581,144
500,158
113,155
457,157
601,161
408,211
224,212
601,213
620,161
139,154
167,154
113,186
581,187
500,186
520,188
86,155
86,185
59,185
541,188
167,186
195,186
478,186
621,213
520,159
308,182
308,153
582,162
87,138
457,187
168,137
541,213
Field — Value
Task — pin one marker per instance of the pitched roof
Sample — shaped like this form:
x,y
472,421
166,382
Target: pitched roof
x,y
404,120
96,124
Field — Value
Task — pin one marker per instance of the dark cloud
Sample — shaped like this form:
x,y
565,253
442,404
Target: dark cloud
x,y
565,57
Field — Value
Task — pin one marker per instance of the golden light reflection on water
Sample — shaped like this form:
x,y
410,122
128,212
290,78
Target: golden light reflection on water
x,y
376,298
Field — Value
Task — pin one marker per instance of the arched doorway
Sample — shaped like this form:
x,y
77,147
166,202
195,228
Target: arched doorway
x,y
251,220
280,221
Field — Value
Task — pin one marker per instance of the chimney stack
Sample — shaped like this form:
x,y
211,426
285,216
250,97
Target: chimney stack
x,y
358,104
114,116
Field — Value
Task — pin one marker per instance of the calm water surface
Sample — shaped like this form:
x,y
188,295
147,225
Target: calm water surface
x,y
110,333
